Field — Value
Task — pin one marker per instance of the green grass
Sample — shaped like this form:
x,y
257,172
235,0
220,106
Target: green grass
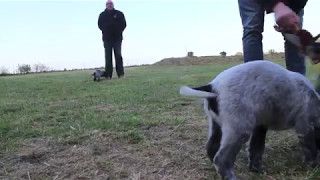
x,y
142,111
51,103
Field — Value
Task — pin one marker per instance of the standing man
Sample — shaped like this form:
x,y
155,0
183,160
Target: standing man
x,y
288,16
112,23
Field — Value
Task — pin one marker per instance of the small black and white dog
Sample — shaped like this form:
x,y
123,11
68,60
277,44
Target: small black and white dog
x,y
244,102
97,74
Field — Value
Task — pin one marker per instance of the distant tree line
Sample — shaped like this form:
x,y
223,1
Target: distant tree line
x,y
36,68
25,69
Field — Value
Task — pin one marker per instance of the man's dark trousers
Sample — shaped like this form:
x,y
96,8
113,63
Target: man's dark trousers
x,y
116,46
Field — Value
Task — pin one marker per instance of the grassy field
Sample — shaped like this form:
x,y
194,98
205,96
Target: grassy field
x,y
65,126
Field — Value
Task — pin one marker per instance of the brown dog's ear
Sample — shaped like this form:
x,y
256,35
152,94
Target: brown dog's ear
x,y
306,38
316,37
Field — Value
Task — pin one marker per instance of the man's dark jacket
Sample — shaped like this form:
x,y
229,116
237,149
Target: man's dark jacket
x,y
295,5
112,23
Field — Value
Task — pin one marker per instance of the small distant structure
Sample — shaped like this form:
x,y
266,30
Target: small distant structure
x,y
190,54
223,54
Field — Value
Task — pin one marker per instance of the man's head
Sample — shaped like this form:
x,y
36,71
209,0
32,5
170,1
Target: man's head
x,y
109,5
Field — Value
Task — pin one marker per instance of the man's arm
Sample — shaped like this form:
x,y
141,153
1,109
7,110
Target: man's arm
x,y
123,22
100,22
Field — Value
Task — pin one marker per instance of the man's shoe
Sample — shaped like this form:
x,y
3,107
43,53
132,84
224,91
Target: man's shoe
x,y
104,74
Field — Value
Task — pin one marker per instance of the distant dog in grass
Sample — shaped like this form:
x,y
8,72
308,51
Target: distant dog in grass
x,y
243,102
97,75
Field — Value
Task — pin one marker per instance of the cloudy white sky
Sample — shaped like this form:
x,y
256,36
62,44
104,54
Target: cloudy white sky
x,y
64,34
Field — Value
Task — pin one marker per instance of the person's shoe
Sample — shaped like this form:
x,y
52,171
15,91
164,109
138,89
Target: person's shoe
x,y
121,76
104,74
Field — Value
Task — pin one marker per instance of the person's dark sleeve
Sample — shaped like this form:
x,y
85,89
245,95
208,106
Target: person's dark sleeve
x,y
297,5
100,22
123,22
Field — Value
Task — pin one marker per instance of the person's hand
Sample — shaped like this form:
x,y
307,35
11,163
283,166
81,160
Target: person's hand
x,y
286,19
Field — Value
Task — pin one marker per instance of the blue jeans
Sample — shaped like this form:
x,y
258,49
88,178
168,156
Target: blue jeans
x,y
116,46
252,16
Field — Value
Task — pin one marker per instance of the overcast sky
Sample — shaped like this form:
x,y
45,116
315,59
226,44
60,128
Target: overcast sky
x,y
64,34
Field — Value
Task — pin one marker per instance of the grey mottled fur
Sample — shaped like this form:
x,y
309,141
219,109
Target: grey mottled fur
x,y
243,102
97,74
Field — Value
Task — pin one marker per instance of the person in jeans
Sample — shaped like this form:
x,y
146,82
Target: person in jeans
x,y
112,24
288,16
